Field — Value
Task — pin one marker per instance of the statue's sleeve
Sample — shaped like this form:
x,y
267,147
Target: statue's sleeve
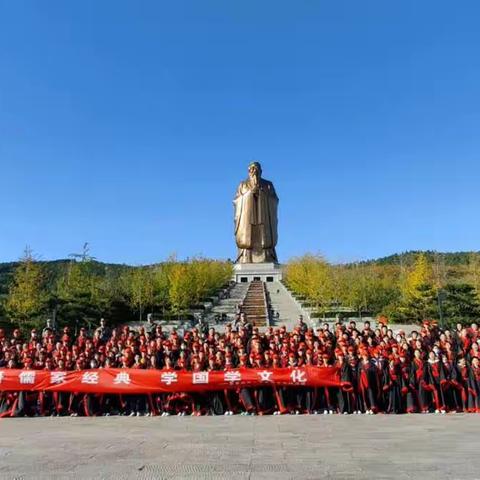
x,y
238,206
272,191
273,213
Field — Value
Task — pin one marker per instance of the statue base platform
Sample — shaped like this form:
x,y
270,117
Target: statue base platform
x,y
266,272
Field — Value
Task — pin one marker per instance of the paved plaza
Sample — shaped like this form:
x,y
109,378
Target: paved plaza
x,y
287,447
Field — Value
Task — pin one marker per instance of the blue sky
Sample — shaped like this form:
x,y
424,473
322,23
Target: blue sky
x,y
129,124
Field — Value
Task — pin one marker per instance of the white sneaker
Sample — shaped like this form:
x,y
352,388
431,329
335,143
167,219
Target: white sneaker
x,y
132,414
325,412
437,411
330,412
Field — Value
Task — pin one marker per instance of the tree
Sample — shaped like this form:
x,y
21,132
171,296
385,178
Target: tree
x,y
140,289
473,272
180,287
161,285
312,277
370,288
460,303
191,282
419,275
83,291
27,298
419,295
207,276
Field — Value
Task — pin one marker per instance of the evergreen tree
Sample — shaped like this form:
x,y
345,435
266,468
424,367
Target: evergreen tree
x,y
83,292
460,303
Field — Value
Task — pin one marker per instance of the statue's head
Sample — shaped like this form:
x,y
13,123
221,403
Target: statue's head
x,y
255,170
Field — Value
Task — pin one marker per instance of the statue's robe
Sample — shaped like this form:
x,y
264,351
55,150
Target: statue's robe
x,y
256,222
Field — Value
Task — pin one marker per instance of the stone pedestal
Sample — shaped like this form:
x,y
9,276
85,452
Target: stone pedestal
x,y
266,272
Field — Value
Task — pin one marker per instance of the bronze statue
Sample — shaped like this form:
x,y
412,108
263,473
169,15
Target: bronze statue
x,y
256,218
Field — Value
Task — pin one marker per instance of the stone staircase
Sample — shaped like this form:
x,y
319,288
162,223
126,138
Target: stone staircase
x,y
281,301
255,298
228,306
255,304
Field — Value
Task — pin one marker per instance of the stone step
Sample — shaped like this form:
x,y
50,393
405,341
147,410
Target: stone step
x,y
281,301
228,306
255,304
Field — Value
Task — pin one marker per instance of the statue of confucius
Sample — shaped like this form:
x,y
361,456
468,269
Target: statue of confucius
x,y
256,205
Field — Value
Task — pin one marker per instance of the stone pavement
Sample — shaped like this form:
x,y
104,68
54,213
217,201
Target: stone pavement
x,y
287,447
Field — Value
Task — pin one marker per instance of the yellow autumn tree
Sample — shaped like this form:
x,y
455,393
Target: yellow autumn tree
x,y
420,274
191,282
27,297
418,291
311,276
181,287
139,286
473,272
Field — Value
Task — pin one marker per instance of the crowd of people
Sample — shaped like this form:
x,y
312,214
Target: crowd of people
x,y
429,370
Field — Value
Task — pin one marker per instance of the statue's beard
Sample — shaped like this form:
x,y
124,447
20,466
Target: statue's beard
x,y
255,179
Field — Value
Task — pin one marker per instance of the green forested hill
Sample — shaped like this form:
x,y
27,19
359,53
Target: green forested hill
x,y
55,269
408,258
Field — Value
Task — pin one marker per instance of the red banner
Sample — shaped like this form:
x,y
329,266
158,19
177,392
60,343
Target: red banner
x,y
124,381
